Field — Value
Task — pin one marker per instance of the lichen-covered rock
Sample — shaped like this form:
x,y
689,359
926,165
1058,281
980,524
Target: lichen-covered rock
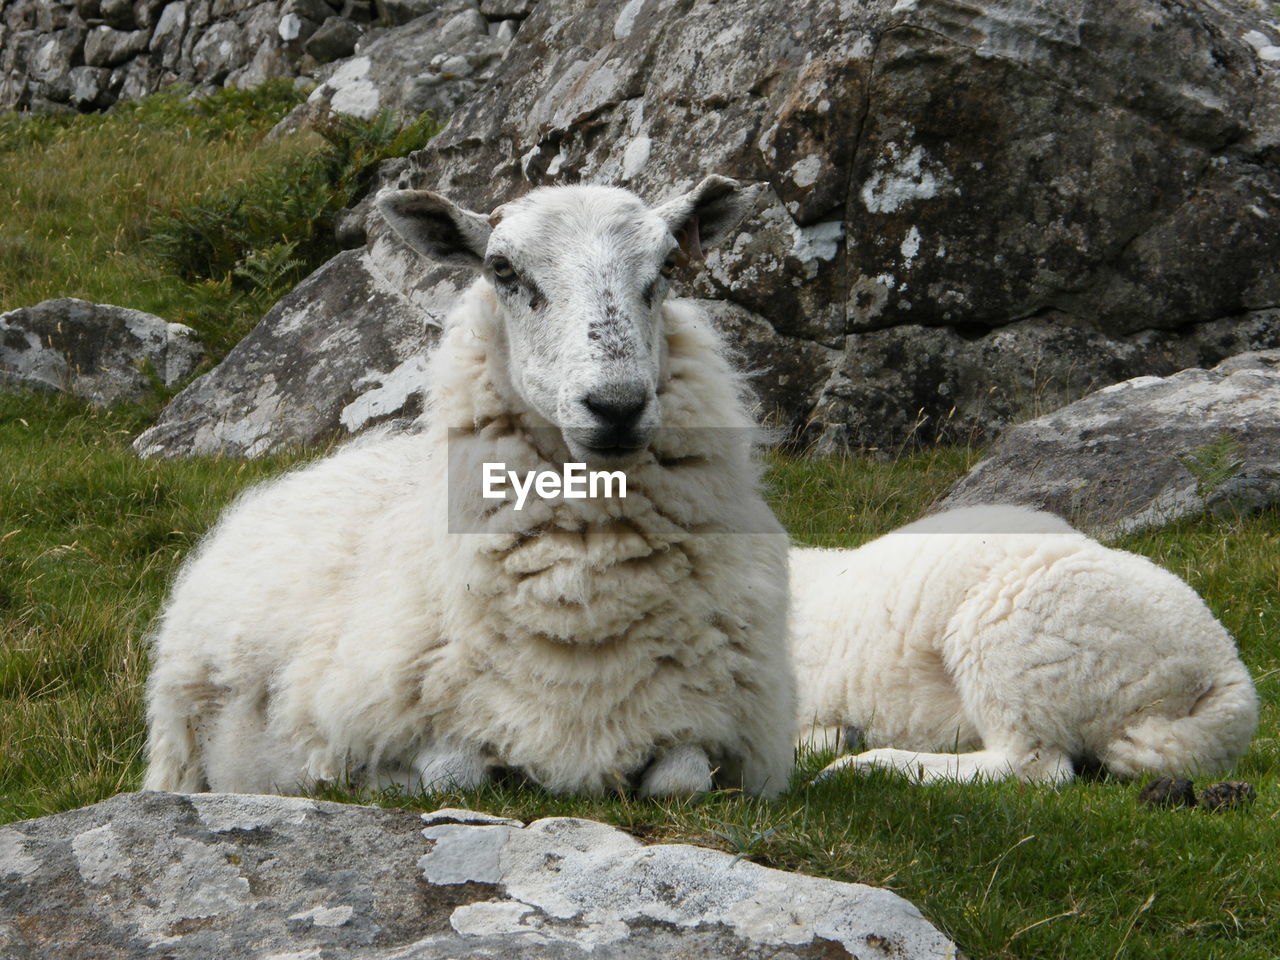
x,y
96,351
1145,451
333,356
152,874
436,62
935,169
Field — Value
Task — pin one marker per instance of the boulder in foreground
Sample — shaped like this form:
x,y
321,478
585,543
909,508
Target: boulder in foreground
x,y
185,876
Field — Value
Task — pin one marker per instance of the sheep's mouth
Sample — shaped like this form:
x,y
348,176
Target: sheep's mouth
x,y
615,451
613,457
608,448
613,454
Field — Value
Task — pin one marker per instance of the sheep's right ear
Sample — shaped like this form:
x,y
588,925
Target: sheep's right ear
x,y
436,227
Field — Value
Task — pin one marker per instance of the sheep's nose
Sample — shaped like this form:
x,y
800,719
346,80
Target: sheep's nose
x,y
617,407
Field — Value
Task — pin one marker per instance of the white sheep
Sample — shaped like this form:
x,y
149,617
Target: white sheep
x,y
989,642
372,618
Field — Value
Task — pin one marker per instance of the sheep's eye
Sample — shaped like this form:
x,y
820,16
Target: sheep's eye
x,y
502,268
669,265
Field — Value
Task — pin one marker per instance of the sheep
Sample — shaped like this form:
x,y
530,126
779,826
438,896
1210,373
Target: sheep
x,y
998,641
373,619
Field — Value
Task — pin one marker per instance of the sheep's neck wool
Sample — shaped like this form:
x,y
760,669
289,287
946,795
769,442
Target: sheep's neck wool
x,y
617,604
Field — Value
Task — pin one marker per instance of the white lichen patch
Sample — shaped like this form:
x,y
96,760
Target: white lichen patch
x,y
868,296
586,883
1262,45
490,918
14,859
557,162
392,392
910,245
820,241
326,916
463,854
805,171
635,157
626,21
98,855
221,812
901,179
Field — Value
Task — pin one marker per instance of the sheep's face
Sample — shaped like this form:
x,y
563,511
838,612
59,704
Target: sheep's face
x,y
579,274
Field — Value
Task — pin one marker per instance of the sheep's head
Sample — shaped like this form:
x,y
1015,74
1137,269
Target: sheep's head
x,y
580,274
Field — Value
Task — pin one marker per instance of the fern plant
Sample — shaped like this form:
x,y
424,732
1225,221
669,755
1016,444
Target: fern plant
x,y
270,272
1214,463
258,237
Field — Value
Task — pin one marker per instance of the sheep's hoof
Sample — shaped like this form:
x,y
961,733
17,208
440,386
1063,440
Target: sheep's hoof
x,y
443,770
678,772
1168,792
1226,796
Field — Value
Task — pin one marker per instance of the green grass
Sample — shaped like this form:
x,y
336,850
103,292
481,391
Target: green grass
x,y
80,193
90,536
181,207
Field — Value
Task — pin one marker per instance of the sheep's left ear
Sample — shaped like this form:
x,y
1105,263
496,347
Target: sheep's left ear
x,y
437,227
708,213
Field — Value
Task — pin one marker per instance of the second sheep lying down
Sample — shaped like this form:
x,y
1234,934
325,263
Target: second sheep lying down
x,y
989,642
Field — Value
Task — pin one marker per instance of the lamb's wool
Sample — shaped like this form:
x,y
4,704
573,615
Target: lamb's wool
x,y
331,625
1003,631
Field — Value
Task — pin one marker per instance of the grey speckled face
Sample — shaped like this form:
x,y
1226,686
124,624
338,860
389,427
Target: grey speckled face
x,y
581,274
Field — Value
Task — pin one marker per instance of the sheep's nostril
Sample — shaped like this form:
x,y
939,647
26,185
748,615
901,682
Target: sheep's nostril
x,y
617,409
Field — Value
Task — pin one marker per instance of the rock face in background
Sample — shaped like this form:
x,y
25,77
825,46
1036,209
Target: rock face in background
x,y
1081,173
152,874
95,351
329,353
973,213
1141,453
436,62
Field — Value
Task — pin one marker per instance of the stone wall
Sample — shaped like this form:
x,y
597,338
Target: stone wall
x,y
86,54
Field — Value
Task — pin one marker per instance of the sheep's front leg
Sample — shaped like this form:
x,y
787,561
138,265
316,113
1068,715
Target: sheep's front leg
x,y
439,768
677,772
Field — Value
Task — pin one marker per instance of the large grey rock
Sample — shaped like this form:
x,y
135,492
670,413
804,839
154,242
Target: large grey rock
x,y
218,50
335,355
914,384
1146,451
935,168
149,874
95,351
436,62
